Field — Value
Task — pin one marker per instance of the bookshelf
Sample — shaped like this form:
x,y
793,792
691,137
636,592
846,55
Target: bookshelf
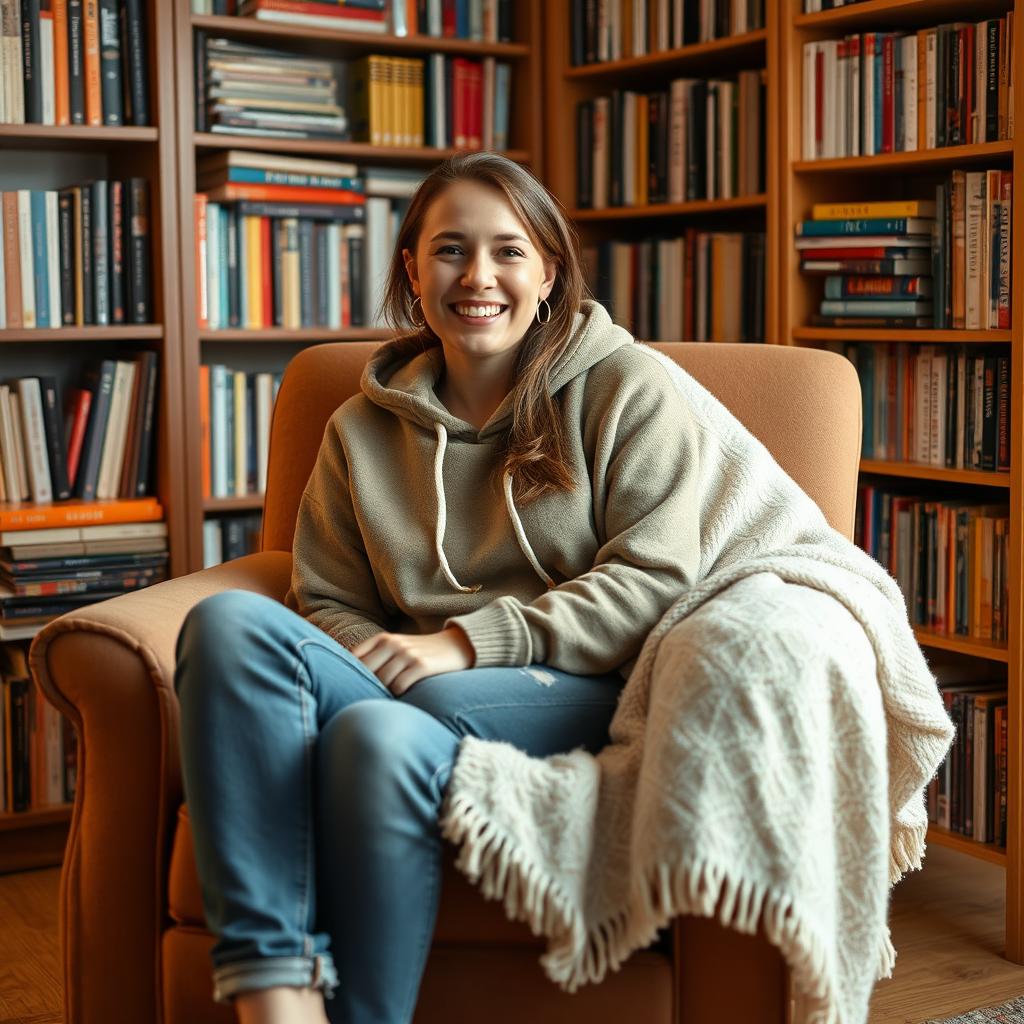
x,y
898,175
273,346
50,157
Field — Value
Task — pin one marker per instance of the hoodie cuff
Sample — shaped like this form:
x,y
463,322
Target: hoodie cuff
x,y
353,636
498,635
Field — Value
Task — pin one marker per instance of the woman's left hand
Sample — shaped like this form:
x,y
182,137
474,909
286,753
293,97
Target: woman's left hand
x,y
400,660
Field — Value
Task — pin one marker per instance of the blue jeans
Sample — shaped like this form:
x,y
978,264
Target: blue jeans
x,y
314,796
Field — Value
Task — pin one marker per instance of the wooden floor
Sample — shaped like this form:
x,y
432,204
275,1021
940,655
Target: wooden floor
x,y
947,924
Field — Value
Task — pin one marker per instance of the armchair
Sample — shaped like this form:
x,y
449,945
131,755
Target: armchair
x,y
134,942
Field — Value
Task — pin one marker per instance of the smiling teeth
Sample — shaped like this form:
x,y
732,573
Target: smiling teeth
x,y
480,311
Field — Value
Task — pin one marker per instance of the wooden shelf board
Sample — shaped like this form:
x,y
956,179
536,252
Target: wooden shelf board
x,y
306,335
955,841
899,12
918,471
912,334
918,159
963,645
349,150
46,136
32,819
343,43
732,48
672,209
125,332
246,503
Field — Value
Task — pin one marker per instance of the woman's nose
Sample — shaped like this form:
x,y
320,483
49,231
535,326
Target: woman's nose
x,y
479,272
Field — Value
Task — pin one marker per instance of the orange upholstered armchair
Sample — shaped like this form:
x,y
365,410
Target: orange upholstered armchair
x,y
135,945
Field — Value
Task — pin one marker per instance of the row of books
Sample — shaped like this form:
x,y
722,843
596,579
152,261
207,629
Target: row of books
x,y
700,139
937,405
683,288
235,408
890,92
814,6
228,537
54,569
38,745
76,256
67,62
99,447
950,558
479,20
969,793
618,29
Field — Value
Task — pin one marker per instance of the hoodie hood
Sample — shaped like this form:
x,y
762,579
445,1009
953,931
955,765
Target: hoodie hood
x,y
404,385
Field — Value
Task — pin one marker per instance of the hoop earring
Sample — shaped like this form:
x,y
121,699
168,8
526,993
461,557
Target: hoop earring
x,y
546,303
421,322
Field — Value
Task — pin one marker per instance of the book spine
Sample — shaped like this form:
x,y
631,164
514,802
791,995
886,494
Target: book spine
x,y
133,15
34,439
95,435
139,295
116,246
91,63
66,214
76,65
54,433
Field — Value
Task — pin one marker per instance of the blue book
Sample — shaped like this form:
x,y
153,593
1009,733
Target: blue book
x,y
255,176
40,263
876,307
866,226
462,19
866,371
502,89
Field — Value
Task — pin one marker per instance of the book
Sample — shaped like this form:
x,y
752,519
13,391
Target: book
x,y
70,515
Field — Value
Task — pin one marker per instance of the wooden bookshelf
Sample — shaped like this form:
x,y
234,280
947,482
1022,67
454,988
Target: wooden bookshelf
x,y
525,140
47,156
803,182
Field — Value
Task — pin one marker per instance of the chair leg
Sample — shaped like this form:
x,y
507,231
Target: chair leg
x,y
722,975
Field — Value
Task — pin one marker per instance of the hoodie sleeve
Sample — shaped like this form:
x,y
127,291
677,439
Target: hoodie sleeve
x,y
332,584
645,445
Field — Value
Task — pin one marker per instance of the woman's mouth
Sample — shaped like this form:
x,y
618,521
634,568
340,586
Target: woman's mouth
x,y
477,312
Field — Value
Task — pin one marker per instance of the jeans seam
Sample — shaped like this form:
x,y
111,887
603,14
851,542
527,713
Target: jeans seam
x,y
416,979
307,942
314,642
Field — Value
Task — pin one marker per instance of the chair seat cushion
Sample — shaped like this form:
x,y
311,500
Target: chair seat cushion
x,y
464,916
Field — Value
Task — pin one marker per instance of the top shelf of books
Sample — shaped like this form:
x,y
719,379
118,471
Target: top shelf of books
x,y
904,13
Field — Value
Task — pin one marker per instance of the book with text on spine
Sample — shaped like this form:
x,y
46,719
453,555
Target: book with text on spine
x,y
28,516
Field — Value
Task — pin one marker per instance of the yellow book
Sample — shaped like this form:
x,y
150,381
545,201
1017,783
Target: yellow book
x,y
379,127
241,437
418,99
253,277
894,208
400,102
290,283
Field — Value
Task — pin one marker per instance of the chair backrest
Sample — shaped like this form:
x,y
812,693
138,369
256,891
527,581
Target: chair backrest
x,y
804,405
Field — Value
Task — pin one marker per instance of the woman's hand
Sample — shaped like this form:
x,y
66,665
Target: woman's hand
x,y
400,660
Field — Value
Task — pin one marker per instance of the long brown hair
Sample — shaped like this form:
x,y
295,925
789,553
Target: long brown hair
x,y
534,448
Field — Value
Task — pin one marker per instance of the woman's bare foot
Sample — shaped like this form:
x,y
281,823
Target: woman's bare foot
x,y
283,1004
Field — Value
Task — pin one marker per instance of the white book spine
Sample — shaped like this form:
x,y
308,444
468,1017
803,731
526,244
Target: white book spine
x,y
46,65
809,150
212,543
218,431
211,265
8,449
434,17
929,90
53,258
639,28
241,438
910,91
28,274
828,86
117,430
937,441
334,276
868,113
34,439
975,188
603,31
855,46
264,408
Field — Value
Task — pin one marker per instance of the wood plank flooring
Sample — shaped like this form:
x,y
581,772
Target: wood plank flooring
x,y
947,924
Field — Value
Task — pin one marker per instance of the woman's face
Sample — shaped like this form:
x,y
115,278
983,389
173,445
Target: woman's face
x,y
476,270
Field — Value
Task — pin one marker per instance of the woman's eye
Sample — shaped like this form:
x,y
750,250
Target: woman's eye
x,y
445,249
513,251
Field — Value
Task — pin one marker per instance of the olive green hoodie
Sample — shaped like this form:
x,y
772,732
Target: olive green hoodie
x,y
400,530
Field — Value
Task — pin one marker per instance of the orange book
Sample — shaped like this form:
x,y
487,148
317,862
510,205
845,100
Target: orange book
x,y
267,271
61,95
201,256
233,190
91,61
29,516
206,471
12,260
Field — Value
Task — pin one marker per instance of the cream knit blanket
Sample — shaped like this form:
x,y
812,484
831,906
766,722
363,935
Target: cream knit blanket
x,y
767,761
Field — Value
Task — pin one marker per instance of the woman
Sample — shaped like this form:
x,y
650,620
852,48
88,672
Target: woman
x,y
491,529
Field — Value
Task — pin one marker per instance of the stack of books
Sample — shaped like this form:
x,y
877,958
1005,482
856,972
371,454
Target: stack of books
x,y
50,564
368,16
228,537
100,447
243,89
878,262
279,242
38,745
67,62
80,255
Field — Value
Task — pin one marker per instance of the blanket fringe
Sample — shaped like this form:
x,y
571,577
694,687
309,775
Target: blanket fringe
x,y
906,850
575,957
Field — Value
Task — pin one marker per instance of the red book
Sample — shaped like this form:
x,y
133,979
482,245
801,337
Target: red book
x,y
460,89
233,190
866,252
317,7
77,420
267,252
449,19
476,106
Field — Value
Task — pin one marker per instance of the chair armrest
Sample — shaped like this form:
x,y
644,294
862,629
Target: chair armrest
x,y
110,668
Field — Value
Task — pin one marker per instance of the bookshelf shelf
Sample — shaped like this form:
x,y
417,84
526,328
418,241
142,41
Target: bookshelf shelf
x,y
915,160
983,478
246,503
906,13
346,43
126,333
963,645
305,335
740,50
48,136
10,821
364,151
955,841
698,206
915,335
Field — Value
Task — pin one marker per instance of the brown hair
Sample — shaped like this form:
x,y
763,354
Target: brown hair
x,y
534,448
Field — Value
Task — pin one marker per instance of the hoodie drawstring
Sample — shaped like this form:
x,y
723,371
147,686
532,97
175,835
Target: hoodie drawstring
x,y
442,518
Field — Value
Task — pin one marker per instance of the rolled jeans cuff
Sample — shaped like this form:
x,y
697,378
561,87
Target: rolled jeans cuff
x,y
251,975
